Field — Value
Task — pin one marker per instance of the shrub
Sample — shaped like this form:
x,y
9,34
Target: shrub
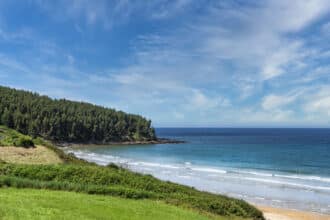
x,y
122,183
24,142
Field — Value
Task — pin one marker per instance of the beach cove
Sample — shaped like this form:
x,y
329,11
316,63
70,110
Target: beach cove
x,y
270,168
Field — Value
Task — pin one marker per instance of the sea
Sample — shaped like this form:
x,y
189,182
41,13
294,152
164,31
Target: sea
x,y
282,167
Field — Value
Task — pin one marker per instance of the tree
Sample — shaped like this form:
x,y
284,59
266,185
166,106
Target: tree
x,y
7,118
69,121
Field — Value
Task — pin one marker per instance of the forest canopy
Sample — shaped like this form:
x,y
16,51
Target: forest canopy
x,y
69,121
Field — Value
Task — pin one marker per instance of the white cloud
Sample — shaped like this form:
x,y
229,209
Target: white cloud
x,y
255,42
20,36
320,72
178,115
237,61
325,29
291,16
166,11
14,65
276,62
319,103
274,102
111,13
257,37
71,59
262,118
201,101
90,11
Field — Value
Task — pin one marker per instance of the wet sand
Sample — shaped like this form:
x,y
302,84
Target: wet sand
x,y
271,213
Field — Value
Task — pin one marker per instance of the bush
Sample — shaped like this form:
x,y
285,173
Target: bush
x,y
24,142
113,166
119,182
67,158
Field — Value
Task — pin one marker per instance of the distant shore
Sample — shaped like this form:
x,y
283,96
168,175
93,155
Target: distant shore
x,y
158,141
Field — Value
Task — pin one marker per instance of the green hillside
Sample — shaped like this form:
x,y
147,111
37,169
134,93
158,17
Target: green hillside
x,y
77,175
31,204
114,181
69,121
33,118
9,137
18,148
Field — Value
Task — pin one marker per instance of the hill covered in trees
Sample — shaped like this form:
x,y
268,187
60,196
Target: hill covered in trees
x,y
69,121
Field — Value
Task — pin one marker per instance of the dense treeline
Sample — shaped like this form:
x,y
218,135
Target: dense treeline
x,y
69,121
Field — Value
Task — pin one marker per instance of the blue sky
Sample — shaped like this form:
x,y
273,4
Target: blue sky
x,y
178,62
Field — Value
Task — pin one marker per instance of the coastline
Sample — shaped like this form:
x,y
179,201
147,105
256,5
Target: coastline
x,y
272,213
116,143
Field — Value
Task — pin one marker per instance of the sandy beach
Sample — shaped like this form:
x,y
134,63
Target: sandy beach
x,y
271,213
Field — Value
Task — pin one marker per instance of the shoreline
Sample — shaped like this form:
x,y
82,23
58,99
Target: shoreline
x,y
274,213
271,212
115,143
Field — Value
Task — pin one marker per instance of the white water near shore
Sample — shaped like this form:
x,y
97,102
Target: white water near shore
x,y
302,192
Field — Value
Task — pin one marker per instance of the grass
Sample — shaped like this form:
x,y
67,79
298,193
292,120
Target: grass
x,y
77,175
10,137
35,155
122,183
44,204
16,148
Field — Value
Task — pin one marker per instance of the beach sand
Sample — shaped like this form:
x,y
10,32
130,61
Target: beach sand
x,y
271,213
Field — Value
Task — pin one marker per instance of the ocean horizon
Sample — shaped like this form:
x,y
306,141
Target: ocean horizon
x,y
279,167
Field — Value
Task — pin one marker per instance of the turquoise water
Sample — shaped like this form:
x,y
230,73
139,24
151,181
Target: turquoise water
x,y
278,167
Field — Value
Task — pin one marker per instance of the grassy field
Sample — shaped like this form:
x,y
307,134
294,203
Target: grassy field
x,y
50,168
43,204
114,181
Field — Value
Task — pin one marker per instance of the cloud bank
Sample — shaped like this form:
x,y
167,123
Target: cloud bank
x,y
180,63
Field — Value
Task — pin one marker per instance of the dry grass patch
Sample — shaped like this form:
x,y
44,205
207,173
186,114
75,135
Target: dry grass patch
x,y
35,155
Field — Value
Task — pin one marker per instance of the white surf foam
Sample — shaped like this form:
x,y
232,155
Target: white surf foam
x,y
283,183
230,181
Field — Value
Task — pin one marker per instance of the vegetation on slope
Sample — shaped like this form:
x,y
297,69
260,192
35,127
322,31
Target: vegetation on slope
x,y
36,155
80,176
9,137
32,151
69,121
119,182
44,204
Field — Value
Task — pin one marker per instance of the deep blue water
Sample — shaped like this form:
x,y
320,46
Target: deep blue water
x,y
303,151
278,167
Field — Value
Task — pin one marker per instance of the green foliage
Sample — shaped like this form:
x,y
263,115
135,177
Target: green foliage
x,y
68,121
119,182
66,158
80,176
29,204
24,142
9,137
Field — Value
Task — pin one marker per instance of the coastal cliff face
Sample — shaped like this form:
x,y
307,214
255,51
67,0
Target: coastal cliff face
x,y
70,121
